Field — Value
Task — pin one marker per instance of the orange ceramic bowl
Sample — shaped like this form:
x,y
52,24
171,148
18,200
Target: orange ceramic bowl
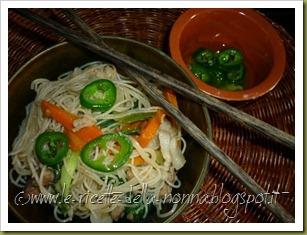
x,y
244,29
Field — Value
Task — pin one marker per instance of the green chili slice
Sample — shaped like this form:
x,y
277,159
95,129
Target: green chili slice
x,y
107,153
204,57
51,147
99,95
200,72
230,57
217,77
222,69
236,73
233,87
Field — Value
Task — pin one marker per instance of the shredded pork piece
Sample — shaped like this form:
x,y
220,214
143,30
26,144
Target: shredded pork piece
x,y
118,212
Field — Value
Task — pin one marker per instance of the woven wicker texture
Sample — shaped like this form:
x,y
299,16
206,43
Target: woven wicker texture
x,y
270,164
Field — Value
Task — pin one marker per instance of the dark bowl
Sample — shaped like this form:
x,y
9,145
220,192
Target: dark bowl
x,y
64,57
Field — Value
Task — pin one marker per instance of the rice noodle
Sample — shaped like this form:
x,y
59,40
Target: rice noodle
x,y
64,92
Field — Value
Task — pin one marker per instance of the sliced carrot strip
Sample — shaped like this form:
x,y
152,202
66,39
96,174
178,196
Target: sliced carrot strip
x,y
75,142
66,119
170,96
151,128
89,133
148,133
138,161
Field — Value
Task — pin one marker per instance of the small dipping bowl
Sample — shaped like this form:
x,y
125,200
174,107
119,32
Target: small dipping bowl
x,y
243,29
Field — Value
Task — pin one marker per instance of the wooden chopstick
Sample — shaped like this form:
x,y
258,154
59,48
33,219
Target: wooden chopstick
x,y
187,124
195,94
152,91
107,52
212,148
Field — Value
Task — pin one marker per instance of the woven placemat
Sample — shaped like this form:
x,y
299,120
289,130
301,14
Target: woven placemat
x,y
270,164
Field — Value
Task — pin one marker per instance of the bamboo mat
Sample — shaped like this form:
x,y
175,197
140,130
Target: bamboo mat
x,y
270,164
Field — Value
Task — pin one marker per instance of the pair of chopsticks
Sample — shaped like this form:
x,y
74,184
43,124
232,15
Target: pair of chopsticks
x,y
143,74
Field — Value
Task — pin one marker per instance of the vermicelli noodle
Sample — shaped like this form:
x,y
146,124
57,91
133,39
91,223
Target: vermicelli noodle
x,y
160,159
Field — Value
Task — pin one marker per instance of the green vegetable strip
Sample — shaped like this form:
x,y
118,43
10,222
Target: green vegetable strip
x,y
135,117
68,171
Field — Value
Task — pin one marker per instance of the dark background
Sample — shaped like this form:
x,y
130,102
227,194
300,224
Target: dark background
x,y
282,16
